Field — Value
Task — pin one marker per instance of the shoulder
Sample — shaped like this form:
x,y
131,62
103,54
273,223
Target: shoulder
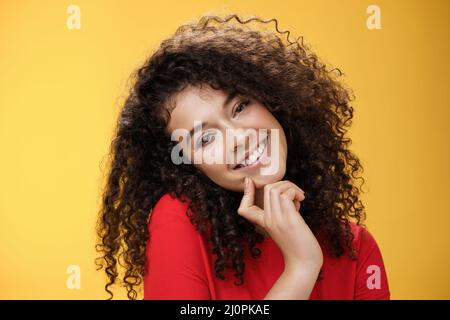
x,y
170,210
169,204
175,256
367,249
371,277
363,238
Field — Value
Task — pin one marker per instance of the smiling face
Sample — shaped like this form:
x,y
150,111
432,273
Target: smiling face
x,y
239,137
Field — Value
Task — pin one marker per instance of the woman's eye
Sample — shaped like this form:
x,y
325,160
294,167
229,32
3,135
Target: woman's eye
x,y
204,140
241,106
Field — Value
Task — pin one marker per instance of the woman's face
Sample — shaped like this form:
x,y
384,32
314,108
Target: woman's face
x,y
238,137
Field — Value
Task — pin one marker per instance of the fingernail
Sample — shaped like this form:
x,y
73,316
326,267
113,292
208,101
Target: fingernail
x,y
246,182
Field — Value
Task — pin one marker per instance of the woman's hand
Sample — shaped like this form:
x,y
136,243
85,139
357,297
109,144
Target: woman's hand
x,y
282,221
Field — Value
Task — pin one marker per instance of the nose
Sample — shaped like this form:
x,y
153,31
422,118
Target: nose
x,y
246,141
242,140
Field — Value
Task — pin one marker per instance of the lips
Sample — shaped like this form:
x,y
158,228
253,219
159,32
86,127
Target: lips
x,y
248,153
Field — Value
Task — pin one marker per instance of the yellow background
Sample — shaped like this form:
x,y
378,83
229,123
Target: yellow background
x,y
61,90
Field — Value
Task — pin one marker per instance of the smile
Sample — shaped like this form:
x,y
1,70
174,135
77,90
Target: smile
x,y
253,158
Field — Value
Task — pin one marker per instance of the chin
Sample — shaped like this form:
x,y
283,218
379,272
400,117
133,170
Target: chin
x,y
236,183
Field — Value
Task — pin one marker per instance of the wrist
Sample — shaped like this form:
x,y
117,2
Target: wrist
x,y
302,269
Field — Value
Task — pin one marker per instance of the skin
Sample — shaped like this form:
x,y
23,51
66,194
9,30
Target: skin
x,y
205,104
269,202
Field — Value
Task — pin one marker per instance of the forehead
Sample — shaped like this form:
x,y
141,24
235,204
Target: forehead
x,y
194,103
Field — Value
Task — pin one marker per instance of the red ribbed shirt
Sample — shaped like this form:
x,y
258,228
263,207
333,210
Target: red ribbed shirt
x,y
180,265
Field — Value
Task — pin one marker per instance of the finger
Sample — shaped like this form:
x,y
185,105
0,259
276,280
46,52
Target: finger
x,y
249,193
275,207
283,184
299,193
267,209
286,200
270,206
291,194
297,205
253,214
288,206
247,209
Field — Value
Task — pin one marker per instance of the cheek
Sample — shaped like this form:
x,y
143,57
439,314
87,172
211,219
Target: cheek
x,y
283,141
207,155
262,116
216,172
213,161
213,154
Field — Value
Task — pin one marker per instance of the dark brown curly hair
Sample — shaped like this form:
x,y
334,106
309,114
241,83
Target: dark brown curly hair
x,y
226,53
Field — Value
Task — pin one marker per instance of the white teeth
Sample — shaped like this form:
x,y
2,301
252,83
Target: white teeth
x,y
255,155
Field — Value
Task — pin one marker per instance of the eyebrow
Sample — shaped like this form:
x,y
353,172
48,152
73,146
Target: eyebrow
x,y
227,101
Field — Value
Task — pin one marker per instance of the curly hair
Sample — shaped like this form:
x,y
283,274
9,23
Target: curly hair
x,y
226,53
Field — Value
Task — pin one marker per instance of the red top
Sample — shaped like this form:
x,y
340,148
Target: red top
x,y
181,267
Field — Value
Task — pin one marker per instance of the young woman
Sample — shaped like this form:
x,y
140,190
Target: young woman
x,y
283,220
